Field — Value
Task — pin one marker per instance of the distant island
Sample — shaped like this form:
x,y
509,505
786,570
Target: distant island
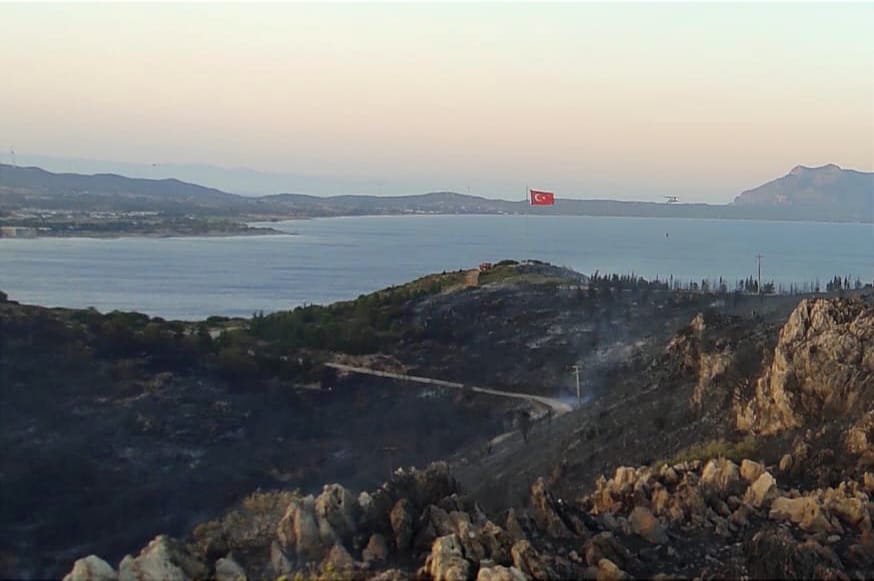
x,y
35,202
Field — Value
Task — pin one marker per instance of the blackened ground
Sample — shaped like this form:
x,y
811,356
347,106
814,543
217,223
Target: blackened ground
x,y
103,471
100,453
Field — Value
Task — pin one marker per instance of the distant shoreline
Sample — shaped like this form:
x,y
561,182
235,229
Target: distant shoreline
x,y
803,220
261,228
154,235
113,205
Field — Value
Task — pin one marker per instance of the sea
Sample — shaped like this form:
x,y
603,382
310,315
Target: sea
x,y
331,259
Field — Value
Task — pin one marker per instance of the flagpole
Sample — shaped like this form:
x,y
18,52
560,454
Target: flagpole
x,y
527,201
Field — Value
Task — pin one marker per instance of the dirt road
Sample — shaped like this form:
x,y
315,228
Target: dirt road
x,y
557,406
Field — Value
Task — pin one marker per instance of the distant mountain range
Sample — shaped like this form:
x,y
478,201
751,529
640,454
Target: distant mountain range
x,y
235,180
827,193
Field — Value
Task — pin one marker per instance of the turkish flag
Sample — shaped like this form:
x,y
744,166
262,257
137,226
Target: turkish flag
x,y
540,198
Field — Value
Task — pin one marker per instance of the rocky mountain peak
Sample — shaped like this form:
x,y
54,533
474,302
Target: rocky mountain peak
x,y
801,169
824,186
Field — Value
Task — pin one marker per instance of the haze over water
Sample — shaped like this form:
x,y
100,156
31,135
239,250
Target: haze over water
x,y
340,258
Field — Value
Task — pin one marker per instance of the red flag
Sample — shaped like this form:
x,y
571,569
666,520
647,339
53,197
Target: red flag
x,y
541,198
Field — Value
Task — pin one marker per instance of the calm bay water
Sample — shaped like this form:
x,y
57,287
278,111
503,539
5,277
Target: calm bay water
x,y
340,258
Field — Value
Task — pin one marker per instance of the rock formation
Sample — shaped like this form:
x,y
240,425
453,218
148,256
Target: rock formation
x,y
823,363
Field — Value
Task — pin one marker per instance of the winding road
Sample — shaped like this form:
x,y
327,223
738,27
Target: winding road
x,y
557,406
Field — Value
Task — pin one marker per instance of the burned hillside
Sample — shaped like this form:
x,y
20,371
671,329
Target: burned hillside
x,y
115,413
728,499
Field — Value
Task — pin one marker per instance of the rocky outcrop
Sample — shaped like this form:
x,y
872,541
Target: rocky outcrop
x,y
548,513
609,571
823,531
446,561
527,559
697,518
750,470
722,355
500,573
376,550
334,531
227,569
163,559
701,357
823,363
336,512
605,546
723,476
91,568
859,439
248,527
300,533
402,524
804,511
762,490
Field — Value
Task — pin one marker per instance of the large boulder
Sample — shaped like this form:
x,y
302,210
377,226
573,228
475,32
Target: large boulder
x,y
609,571
645,524
401,519
761,491
848,503
299,532
336,511
750,470
722,476
446,561
163,559
91,568
805,511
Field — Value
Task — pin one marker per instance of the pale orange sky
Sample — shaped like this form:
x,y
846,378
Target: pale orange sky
x,y
593,100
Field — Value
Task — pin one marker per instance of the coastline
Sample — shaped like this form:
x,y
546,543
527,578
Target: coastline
x,y
156,235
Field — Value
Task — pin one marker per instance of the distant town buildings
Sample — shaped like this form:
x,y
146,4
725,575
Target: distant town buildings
x,y
17,232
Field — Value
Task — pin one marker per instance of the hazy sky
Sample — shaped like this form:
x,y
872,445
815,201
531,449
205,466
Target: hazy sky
x,y
624,100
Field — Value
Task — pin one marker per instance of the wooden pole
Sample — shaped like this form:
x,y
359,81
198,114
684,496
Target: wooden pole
x,y
576,369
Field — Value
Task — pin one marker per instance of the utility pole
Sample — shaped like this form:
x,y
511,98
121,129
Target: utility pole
x,y
576,369
759,260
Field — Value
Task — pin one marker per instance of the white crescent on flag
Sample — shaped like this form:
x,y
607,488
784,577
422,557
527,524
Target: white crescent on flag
x,y
541,198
